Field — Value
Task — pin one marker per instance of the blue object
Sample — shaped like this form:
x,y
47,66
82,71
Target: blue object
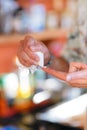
x,y
10,128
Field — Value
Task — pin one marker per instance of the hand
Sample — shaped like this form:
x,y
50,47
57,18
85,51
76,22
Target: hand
x,y
28,47
77,75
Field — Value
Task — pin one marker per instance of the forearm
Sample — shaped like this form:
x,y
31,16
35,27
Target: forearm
x,y
59,64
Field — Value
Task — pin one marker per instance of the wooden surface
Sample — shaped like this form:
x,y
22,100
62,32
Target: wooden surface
x,y
7,58
42,36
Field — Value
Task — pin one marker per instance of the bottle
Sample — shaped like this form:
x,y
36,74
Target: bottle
x,y
33,68
27,79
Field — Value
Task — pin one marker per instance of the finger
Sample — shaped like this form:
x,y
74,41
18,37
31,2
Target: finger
x,y
78,85
79,81
31,54
38,47
58,74
27,63
28,51
75,66
41,48
25,58
77,75
82,83
24,63
29,41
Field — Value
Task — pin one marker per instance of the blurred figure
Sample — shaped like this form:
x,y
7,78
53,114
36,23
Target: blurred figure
x,y
77,71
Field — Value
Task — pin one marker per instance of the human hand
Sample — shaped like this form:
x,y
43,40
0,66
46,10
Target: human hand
x,y
28,47
77,75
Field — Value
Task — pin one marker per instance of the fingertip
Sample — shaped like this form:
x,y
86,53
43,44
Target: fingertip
x,y
30,41
68,78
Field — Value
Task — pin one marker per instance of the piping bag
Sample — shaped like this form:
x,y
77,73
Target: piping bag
x,y
58,74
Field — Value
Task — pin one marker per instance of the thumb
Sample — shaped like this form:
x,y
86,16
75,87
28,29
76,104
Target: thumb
x,y
76,75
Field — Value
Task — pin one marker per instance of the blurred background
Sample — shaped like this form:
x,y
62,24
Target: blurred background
x,y
39,101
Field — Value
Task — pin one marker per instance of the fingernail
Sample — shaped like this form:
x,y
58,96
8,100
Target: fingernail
x,y
68,78
44,66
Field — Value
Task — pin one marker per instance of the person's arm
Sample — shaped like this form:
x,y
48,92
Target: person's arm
x,y
26,55
77,75
58,64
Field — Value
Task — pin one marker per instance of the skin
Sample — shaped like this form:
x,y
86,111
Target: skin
x,y
75,74
76,77
26,54
27,49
